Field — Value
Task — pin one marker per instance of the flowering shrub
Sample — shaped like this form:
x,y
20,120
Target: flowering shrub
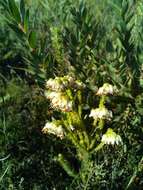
x,y
66,96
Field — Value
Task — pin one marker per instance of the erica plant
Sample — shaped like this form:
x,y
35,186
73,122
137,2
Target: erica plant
x,y
86,130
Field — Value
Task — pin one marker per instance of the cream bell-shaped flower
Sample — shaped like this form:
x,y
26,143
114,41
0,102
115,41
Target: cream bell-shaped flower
x,y
55,84
101,113
52,128
59,101
52,95
110,137
107,89
64,104
62,83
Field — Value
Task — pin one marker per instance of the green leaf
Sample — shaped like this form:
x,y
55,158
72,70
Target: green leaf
x,y
125,7
22,9
66,166
131,179
14,10
32,39
2,176
26,21
98,147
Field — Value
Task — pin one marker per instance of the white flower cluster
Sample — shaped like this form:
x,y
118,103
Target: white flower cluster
x,y
52,128
101,113
55,84
110,137
62,83
56,92
59,101
107,89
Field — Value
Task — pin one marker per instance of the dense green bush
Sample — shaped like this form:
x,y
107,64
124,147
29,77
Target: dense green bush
x,y
94,42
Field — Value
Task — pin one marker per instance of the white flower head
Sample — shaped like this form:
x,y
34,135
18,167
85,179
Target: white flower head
x,y
59,101
52,128
107,89
51,95
64,104
63,83
110,137
55,84
101,113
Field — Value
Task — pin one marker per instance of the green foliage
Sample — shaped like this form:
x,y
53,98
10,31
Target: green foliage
x,y
97,42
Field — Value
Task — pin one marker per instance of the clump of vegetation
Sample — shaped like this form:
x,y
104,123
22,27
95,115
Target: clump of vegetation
x,y
73,71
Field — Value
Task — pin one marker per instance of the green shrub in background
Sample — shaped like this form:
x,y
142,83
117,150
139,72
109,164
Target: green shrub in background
x,y
96,43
